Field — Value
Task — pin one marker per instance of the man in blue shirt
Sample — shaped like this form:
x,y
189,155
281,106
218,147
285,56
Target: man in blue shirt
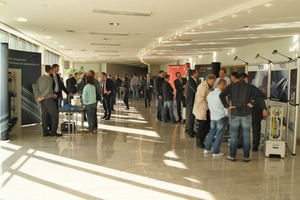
x,y
218,119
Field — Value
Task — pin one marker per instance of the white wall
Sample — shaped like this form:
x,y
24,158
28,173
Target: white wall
x,y
288,46
97,67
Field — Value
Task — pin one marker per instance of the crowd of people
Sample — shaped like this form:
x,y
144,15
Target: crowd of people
x,y
50,87
212,106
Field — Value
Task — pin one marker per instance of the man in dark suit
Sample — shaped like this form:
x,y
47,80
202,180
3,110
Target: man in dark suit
x,y
107,92
58,86
191,90
158,93
180,84
71,83
148,86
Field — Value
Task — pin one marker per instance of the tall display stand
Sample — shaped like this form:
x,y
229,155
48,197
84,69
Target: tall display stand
x,y
293,107
274,145
4,109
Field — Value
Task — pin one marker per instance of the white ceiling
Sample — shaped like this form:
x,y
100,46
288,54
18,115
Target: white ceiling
x,y
175,30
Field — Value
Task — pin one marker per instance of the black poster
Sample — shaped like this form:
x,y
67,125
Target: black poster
x,y
30,65
293,84
279,85
204,70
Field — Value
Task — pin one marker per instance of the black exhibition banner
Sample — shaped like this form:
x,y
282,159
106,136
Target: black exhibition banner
x,y
30,65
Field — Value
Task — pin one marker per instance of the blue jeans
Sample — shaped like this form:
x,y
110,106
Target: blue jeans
x,y
168,106
235,123
90,113
217,127
135,91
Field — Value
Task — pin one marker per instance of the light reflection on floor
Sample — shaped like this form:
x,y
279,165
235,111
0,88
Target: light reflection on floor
x,y
135,157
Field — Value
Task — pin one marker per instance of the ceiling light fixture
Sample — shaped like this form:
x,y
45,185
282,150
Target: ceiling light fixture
x,y
70,31
259,56
21,19
112,34
114,24
123,12
233,15
48,37
103,44
237,58
276,52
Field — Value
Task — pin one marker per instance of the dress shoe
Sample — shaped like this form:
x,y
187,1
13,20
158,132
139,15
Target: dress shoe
x,y
103,117
200,144
113,109
57,135
107,118
192,134
255,149
47,134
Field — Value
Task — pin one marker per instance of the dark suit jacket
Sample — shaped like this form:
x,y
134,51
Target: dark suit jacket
x,y
61,86
151,85
109,86
167,91
191,89
179,87
158,86
71,84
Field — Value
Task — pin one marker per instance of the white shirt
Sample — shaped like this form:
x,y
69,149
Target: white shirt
x,y
218,79
215,105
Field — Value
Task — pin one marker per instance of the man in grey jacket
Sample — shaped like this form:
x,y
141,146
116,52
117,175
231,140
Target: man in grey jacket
x,y
44,95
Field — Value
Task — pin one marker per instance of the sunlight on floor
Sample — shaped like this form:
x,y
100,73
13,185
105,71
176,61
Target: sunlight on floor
x,y
40,175
129,130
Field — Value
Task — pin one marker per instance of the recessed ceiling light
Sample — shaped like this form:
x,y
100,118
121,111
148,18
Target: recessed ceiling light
x,y
61,46
114,24
48,37
40,29
21,19
70,31
55,42
233,15
3,3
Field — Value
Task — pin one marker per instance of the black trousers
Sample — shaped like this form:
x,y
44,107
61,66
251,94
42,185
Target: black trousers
x,y
190,118
49,116
159,108
147,97
203,127
256,128
180,98
125,99
107,105
95,116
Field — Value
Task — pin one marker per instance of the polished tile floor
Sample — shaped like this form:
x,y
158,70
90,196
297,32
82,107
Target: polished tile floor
x,y
133,156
